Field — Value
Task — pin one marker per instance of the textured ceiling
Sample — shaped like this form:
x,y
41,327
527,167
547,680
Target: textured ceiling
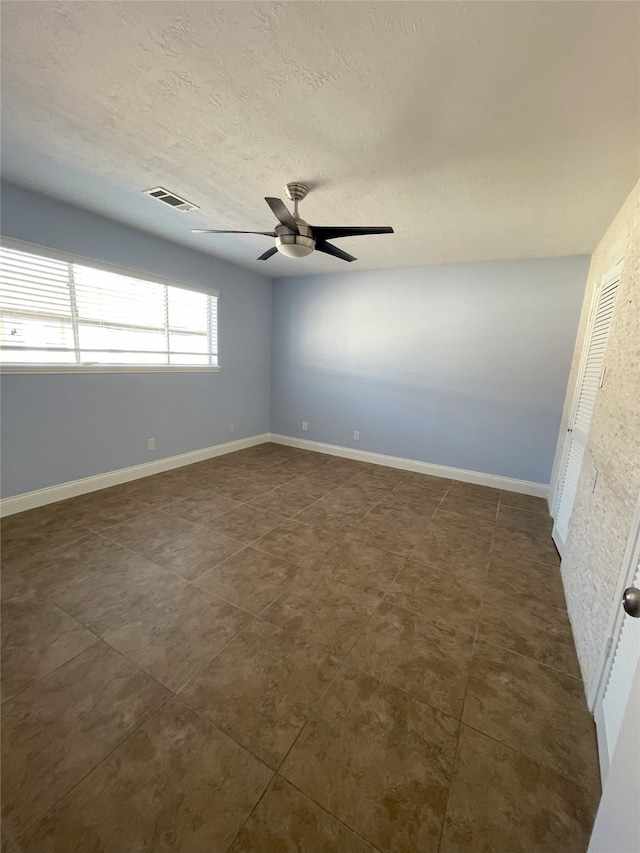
x,y
479,130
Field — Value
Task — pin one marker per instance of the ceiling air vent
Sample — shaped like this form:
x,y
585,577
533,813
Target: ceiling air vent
x,y
171,199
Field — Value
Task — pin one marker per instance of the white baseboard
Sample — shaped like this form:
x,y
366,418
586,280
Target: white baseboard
x,y
508,484
52,494
41,497
558,540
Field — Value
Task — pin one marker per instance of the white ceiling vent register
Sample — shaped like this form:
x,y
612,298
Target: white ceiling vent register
x,y
171,199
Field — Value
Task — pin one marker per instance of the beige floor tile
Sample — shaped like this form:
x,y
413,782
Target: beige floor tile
x,y
538,581
107,600
450,547
398,749
57,730
194,552
293,467
8,844
320,610
247,523
398,522
231,462
298,543
245,466
177,784
250,579
271,477
347,468
104,508
525,545
42,529
324,514
37,637
361,566
534,709
424,481
401,515
327,478
460,528
22,524
482,512
471,490
502,801
253,635
172,642
412,493
428,660
512,619
359,490
386,537
205,477
450,596
146,531
414,503
42,571
352,498
518,520
285,821
200,508
240,489
285,500
163,489
389,477
527,502
310,486
261,688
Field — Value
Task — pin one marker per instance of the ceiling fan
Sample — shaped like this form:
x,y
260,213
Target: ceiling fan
x,y
295,238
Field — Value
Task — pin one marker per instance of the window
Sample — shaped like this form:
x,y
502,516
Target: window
x,y
59,313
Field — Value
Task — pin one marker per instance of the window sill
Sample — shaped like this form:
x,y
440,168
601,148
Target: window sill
x,y
107,368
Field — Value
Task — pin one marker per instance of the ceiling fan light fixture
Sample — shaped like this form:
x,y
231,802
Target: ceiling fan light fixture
x,y
295,238
295,245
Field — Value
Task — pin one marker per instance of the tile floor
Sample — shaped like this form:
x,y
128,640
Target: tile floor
x,y
277,651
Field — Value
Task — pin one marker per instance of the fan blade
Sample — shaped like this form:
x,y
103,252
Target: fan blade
x,y
329,233
328,249
208,231
281,213
266,255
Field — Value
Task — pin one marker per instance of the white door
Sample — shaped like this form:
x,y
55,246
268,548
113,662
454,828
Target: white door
x,y
617,826
616,705
590,379
625,662
620,658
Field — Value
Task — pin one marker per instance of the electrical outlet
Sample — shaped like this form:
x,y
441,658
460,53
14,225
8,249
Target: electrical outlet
x,y
305,426
356,435
232,427
151,444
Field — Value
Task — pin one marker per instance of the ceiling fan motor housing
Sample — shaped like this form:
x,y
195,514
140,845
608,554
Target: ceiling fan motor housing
x,y
295,245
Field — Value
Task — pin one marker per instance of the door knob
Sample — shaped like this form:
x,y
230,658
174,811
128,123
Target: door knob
x,y
631,601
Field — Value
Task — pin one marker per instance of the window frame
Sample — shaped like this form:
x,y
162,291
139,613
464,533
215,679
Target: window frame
x,y
68,257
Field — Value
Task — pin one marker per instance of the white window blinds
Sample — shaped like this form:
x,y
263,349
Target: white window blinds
x,y
63,312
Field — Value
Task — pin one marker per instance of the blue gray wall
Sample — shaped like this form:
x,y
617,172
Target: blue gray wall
x,y
462,365
57,428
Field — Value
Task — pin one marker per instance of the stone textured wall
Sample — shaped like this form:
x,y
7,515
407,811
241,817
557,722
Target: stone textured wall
x,y
602,519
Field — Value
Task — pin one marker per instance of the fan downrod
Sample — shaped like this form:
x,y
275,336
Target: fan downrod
x,y
296,192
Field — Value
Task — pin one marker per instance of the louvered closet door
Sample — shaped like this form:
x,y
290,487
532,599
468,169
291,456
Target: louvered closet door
x,y
589,381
